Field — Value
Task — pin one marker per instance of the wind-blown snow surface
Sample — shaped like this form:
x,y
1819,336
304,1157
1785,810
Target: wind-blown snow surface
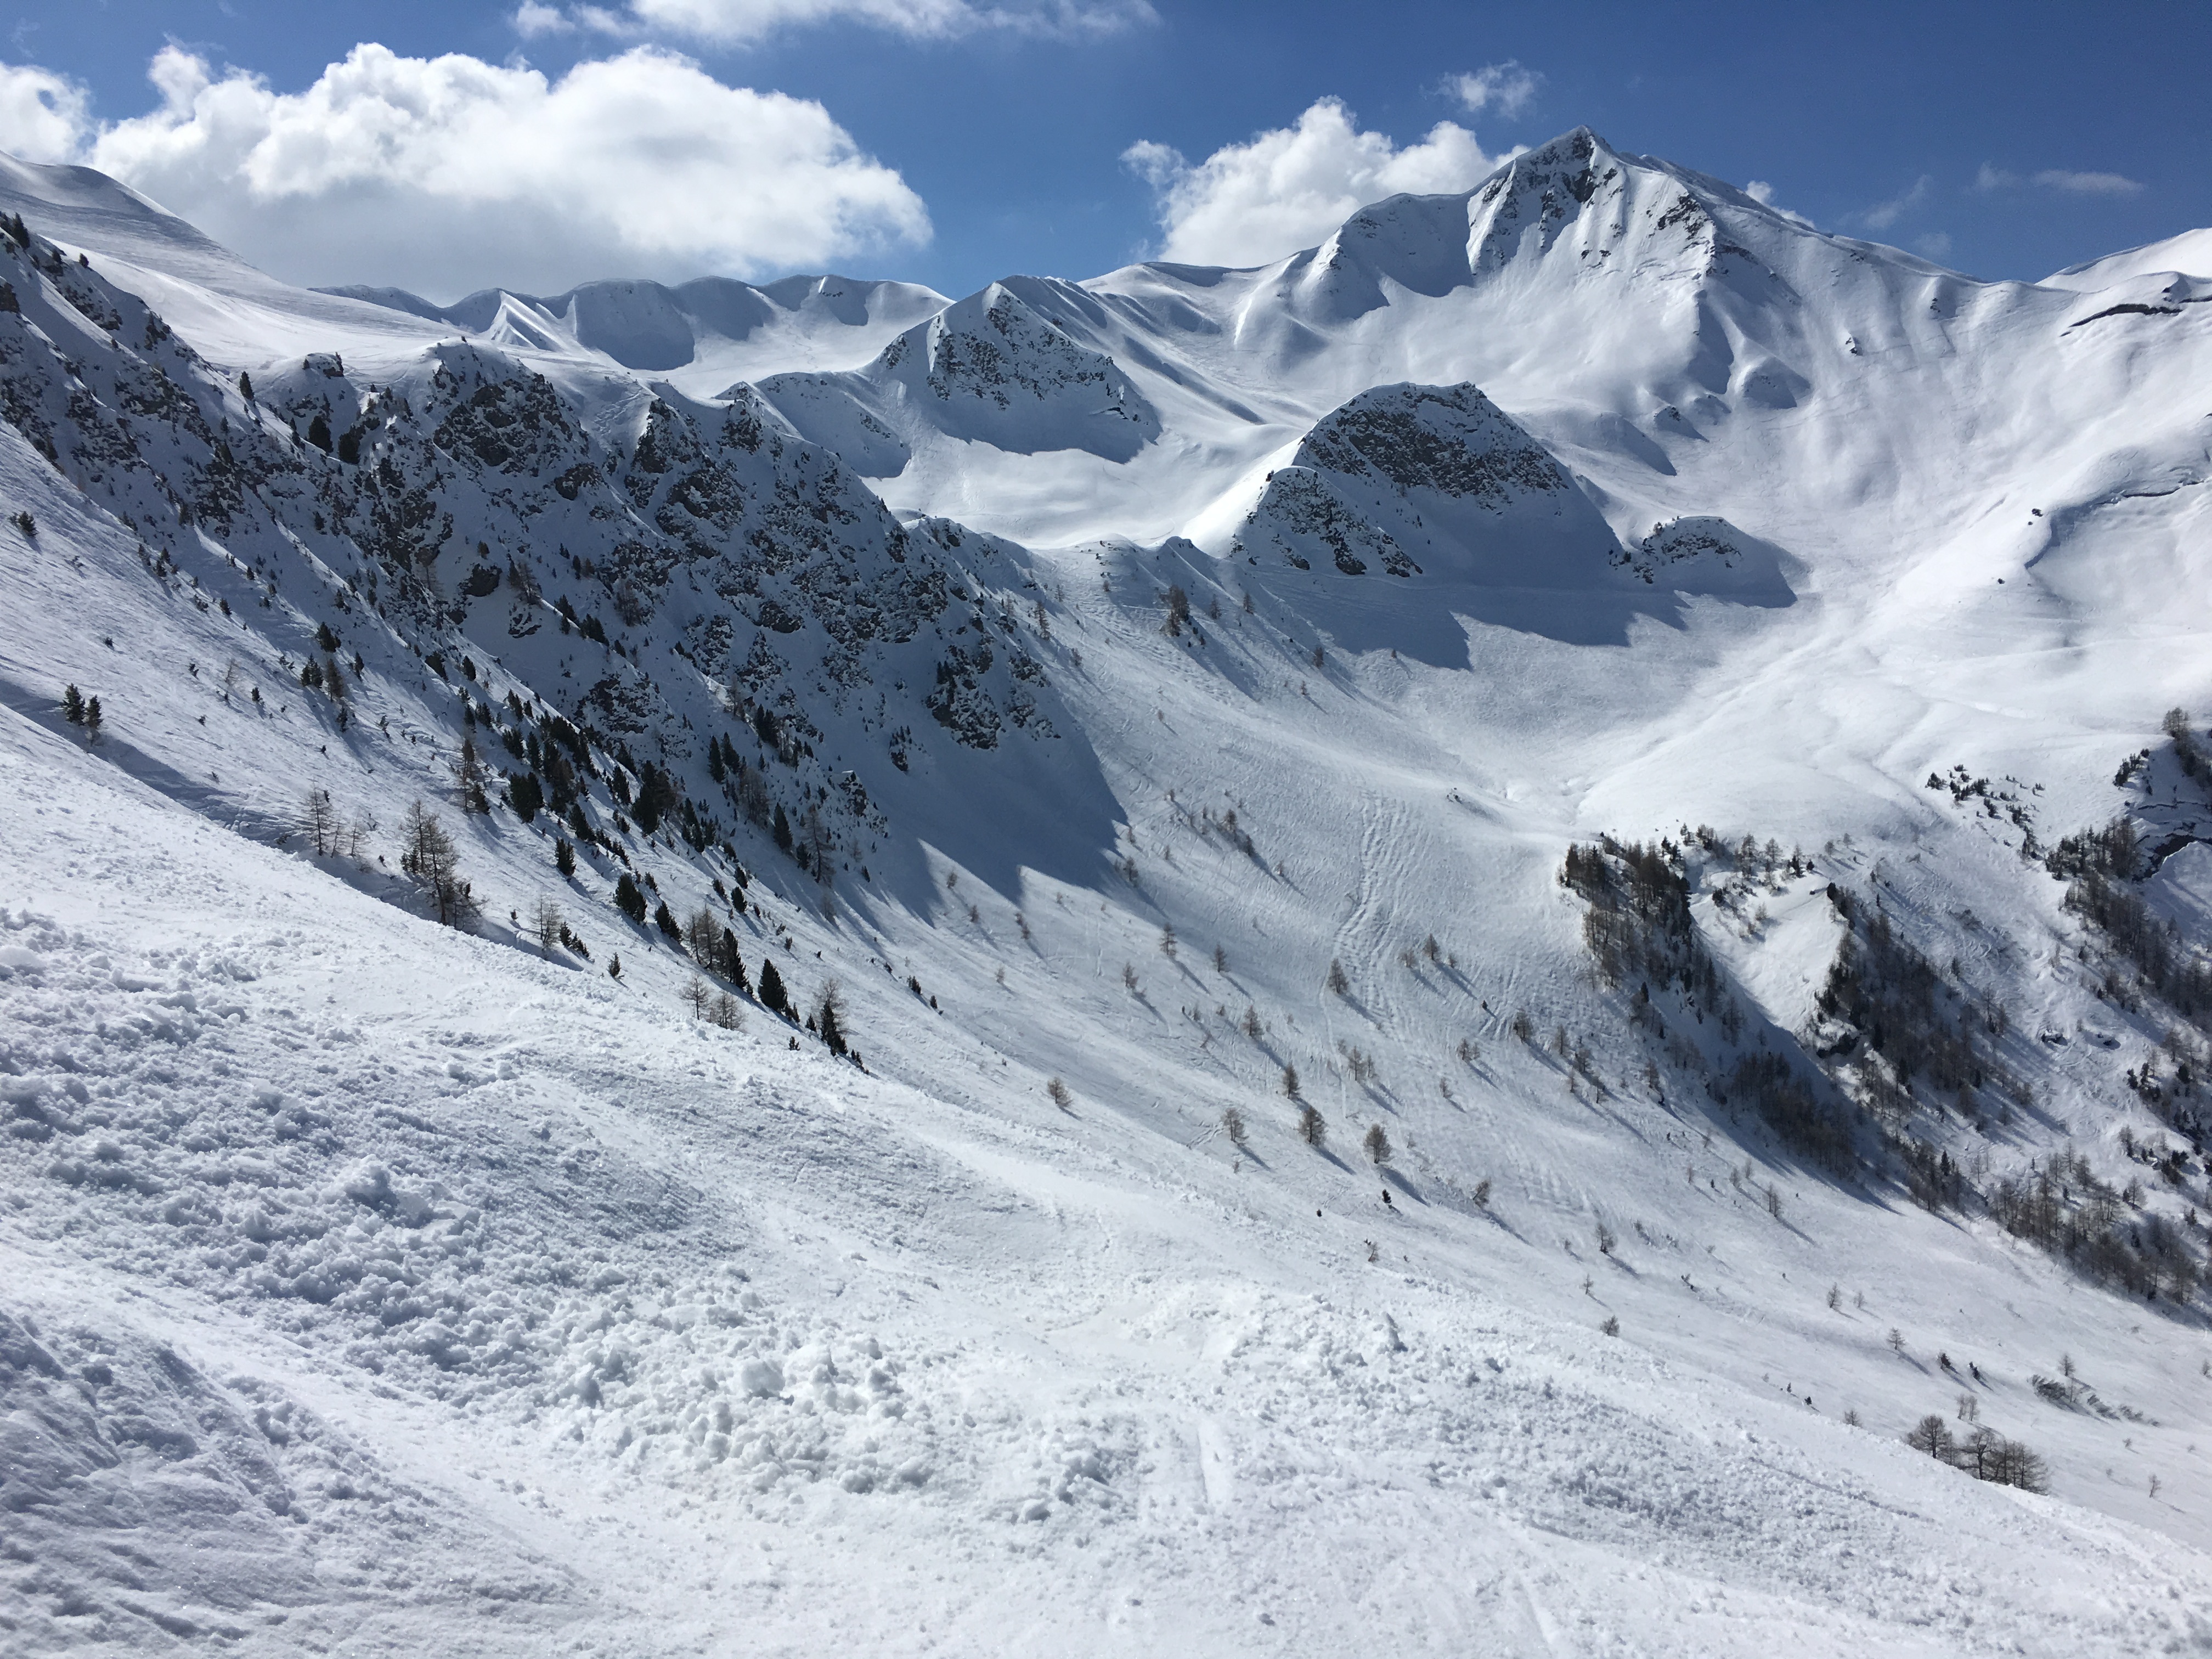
x,y
371,1287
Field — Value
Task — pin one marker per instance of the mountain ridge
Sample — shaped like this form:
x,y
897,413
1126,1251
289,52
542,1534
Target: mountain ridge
x,y
1233,1155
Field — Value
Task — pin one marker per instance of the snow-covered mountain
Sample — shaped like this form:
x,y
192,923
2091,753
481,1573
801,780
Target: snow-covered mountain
x,y
714,327
1332,803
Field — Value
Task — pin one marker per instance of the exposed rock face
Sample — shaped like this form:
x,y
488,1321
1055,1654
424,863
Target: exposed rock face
x,y
987,370
1405,474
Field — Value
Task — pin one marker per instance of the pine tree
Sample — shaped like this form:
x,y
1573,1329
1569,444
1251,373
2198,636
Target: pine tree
x,y
91,720
246,386
547,925
771,989
1339,985
1313,1128
73,705
469,770
664,920
1377,1144
629,900
318,816
526,794
729,964
318,432
1291,1081
702,937
832,1029
782,829
1932,1435
428,856
564,855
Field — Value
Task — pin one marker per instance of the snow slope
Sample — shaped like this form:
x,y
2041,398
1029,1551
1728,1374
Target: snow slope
x,y
2189,253
1214,686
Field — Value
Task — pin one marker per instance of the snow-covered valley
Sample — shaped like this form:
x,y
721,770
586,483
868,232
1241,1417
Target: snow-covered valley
x,y
1274,1200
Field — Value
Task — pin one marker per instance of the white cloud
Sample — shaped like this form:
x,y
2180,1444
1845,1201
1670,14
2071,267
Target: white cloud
x,y
43,116
734,22
2074,184
1289,187
2089,184
1763,193
1882,215
450,173
1935,244
1506,89
530,20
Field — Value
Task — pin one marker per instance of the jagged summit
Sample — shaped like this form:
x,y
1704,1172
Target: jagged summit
x,y
1438,489
989,369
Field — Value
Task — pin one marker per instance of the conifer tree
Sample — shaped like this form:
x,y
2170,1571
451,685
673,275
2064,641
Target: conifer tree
x,y
469,772
827,1020
564,855
427,856
729,964
73,705
771,989
547,925
629,900
319,818
526,794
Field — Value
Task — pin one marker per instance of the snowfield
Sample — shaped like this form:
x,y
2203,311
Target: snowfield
x,y
1127,696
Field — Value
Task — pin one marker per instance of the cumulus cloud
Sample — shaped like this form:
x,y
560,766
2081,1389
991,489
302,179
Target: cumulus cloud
x,y
43,116
1289,187
737,22
1505,89
449,173
2059,179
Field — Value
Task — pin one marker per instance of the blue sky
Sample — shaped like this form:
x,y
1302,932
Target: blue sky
x,y
2008,140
